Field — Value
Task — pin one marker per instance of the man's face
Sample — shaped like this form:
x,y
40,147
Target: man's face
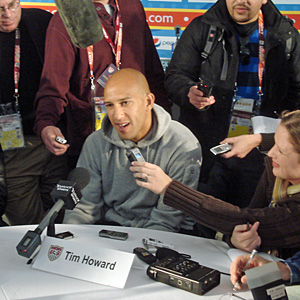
x,y
285,159
128,111
10,15
244,11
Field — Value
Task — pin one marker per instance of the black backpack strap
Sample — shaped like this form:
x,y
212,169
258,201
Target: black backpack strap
x,y
212,33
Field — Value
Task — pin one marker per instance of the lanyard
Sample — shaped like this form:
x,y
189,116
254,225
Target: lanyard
x,y
117,45
261,55
17,65
261,64
90,54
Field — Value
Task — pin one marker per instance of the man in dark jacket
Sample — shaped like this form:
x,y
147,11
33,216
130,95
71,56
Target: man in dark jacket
x,y
254,55
31,170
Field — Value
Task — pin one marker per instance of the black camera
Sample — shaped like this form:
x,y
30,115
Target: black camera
x,y
185,274
205,86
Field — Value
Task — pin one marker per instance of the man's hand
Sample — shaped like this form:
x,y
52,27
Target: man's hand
x,y
245,237
242,145
48,135
196,98
156,180
239,264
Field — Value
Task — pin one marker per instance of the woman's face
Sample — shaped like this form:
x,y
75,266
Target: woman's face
x,y
285,159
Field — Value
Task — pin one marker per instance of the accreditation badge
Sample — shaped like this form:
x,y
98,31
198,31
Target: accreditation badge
x,y
110,70
242,113
11,132
100,111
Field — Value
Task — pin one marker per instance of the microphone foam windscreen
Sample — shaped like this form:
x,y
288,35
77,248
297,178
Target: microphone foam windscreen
x,y
81,176
81,21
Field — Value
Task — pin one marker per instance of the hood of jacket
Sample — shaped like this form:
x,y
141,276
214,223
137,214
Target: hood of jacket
x,y
157,130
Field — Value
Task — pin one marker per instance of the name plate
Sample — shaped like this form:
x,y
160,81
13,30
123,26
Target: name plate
x,y
86,262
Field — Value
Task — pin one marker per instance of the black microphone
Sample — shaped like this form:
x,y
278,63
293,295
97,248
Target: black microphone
x,y
66,194
81,21
177,29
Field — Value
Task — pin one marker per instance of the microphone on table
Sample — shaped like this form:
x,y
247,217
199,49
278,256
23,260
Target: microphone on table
x,y
81,21
66,194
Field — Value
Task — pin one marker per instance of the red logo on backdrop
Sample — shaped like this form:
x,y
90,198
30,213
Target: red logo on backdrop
x,y
54,252
157,42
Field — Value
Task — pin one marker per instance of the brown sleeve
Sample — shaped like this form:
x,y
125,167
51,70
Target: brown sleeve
x,y
267,141
279,227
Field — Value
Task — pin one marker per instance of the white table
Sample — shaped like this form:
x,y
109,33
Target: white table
x,y
19,281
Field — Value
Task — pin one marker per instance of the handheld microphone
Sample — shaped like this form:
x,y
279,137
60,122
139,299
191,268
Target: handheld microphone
x,y
81,21
177,29
66,194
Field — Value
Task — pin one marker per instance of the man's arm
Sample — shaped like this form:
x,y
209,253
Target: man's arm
x,y
51,98
294,265
293,96
240,262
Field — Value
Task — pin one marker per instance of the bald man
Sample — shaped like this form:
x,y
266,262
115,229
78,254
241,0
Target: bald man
x,y
134,124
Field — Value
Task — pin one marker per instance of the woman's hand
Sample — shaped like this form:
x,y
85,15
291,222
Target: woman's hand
x,y
242,145
245,237
155,179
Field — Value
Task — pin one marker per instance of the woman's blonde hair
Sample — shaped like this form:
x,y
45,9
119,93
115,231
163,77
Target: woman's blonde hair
x,y
291,121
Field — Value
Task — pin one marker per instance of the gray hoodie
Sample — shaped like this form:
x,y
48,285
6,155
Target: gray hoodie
x,y
112,193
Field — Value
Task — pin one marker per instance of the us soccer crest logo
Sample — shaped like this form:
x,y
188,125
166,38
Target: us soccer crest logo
x,y
55,252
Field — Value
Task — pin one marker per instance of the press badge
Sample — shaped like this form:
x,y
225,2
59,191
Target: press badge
x,y
11,132
242,113
100,111
103,78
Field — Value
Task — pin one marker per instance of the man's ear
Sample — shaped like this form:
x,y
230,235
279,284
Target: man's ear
x,y
150,98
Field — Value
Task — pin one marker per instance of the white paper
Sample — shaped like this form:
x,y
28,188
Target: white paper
x,y
293,292
264,124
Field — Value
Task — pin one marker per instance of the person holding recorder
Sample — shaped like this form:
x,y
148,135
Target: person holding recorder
x,y
290,268
275,205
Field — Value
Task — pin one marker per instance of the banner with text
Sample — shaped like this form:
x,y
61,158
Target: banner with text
x,y
165,16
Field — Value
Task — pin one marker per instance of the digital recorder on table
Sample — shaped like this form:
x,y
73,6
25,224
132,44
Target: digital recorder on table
x,y
185,274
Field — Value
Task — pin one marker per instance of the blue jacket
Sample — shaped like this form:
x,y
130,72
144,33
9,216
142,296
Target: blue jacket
x,y
294,264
